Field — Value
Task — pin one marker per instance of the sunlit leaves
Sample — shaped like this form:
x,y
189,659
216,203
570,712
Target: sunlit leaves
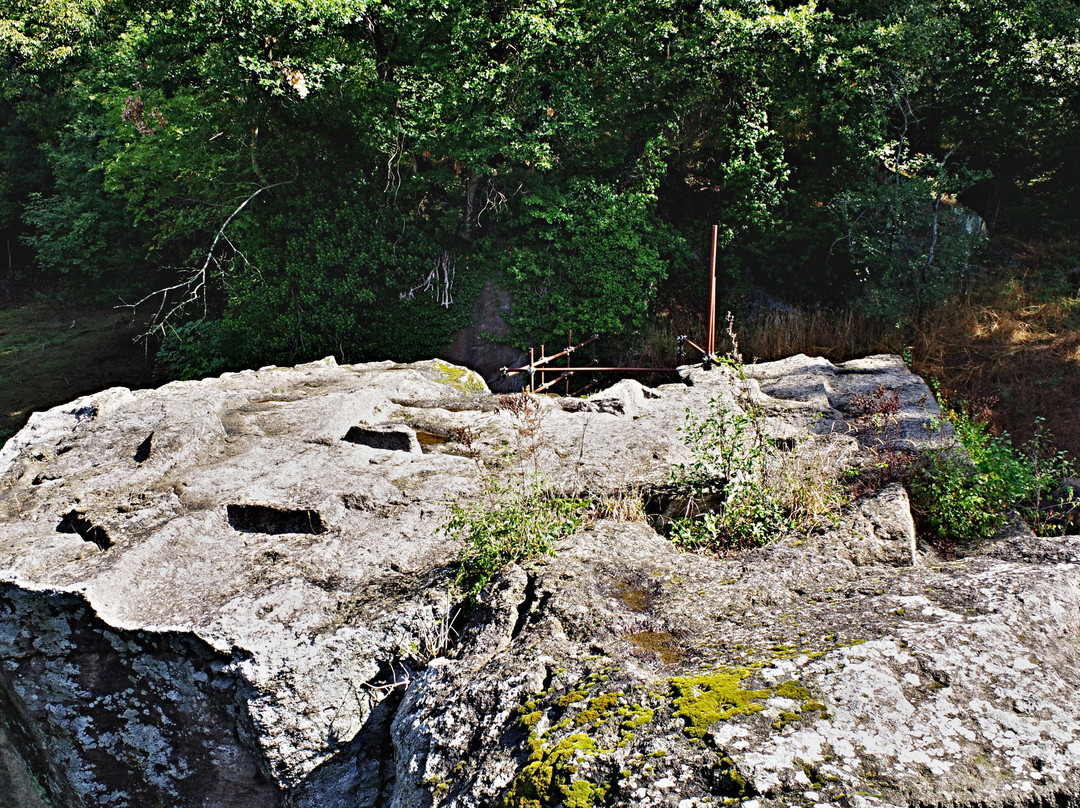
x,y
43,33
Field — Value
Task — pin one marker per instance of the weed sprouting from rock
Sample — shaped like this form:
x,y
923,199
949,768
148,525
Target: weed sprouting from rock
x,y
964,489
739,490
728,503
518,514
877,423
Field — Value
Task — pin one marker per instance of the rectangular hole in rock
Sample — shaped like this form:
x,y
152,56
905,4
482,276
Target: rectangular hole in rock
x,y
430,441
143,452
265,519
76,522
392,440
87,413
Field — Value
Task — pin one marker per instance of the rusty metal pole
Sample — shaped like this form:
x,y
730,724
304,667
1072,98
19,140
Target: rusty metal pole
x,y
532,370
569,345
711,339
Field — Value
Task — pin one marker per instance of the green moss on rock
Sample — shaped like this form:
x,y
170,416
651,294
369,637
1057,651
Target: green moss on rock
x,y
637,717
459,378
573,697
597,709
786,718
792,690
547,779
716,696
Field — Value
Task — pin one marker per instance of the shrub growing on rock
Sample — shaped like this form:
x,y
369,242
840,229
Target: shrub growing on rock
x,y
728,500
518,514
964,491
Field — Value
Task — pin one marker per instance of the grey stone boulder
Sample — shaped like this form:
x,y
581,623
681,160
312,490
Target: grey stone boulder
x,y
635,675
880,530
233,592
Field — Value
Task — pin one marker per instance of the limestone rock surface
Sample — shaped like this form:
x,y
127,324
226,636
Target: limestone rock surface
x,y
232,592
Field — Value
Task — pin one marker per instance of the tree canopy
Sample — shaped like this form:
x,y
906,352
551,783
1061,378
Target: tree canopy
x,y
344,176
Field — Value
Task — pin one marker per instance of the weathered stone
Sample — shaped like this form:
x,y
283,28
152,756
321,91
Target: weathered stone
x,y
622,398
476,345
906,684
880,530
212,595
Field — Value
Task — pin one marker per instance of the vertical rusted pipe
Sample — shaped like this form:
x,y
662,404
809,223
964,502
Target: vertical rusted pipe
x,y
532,370
569,345
711,341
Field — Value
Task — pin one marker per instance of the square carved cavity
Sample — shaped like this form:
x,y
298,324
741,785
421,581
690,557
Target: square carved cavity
x,y
273,521
76,522
393,439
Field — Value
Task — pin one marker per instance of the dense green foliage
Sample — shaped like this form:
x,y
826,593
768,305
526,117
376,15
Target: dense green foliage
x,y
344,176
730,501
966,491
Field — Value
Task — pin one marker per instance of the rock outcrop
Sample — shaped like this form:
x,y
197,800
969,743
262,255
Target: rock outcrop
x,y
233,593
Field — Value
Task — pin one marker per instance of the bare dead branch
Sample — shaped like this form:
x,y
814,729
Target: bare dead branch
x,y
194,285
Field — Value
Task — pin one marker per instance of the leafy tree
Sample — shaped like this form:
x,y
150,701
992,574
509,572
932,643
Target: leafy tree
x,y
292,170
585,259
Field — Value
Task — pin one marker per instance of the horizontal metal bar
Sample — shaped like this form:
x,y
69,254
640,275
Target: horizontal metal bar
x,y
515,371
543,360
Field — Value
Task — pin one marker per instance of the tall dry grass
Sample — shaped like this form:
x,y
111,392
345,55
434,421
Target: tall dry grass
x,y
836,335
1014,344
1013,338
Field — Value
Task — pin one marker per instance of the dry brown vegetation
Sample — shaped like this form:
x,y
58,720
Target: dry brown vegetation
x,y
1013,339
1016,340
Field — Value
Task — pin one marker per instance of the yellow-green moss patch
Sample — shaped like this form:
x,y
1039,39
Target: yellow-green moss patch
x,y
792,690
547,779
786,718
597,709
462,379
703,700
573,697
637,717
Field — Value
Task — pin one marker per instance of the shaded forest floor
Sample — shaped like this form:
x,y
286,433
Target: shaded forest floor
x,y
52,352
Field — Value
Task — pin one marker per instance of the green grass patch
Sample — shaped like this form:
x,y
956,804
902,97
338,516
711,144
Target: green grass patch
x,y
51,353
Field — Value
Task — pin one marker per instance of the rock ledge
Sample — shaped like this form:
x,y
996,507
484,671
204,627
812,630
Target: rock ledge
x,y
232,592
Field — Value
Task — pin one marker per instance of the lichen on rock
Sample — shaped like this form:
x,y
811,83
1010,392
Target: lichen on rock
x,y
249,609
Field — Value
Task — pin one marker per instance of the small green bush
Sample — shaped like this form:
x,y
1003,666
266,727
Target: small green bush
x,y
964,491
509,523
729,501
518,515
